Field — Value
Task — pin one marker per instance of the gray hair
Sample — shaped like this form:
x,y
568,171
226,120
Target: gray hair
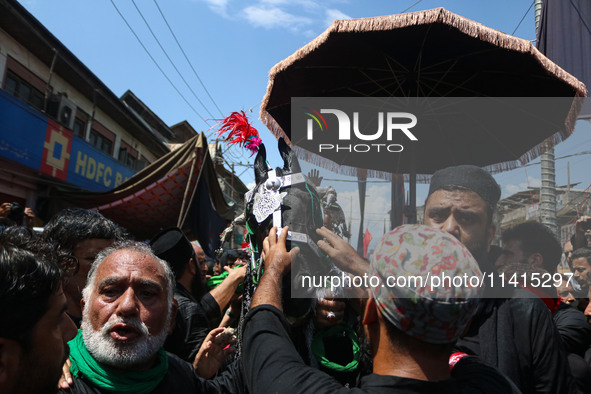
x,y
139,247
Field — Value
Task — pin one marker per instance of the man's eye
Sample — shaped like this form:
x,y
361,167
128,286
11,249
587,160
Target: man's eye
x,y
437,216
465,219
110,292
147,293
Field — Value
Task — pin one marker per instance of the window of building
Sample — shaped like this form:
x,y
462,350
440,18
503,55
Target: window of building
x,y
127,159
141,164
23,90
99,141
79,128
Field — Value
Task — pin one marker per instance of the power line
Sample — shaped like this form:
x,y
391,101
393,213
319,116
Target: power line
x,y
169,59
524,15
188,61
408,8
156,63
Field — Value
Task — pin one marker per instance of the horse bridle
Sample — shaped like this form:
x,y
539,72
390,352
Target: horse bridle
x,y
268,200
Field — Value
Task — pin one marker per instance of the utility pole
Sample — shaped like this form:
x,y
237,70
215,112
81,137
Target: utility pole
x,y
548,187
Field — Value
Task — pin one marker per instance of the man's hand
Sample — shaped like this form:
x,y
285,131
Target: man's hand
x,y
66,378
236,275
275,255
29,217
582,226
212,353
313,176
224,292
277,263
4,209
341,253
329,312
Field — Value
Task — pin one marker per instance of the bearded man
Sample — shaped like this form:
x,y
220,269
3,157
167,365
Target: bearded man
x,y
511,331
128,310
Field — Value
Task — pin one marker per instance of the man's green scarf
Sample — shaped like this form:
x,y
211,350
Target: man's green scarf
x,y
110,379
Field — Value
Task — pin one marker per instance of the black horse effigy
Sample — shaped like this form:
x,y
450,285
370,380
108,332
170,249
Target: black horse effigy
x,y
284,197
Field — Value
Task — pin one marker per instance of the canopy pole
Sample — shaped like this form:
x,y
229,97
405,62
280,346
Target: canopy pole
x,y
362,184
397,203
412,188
182,213
412,196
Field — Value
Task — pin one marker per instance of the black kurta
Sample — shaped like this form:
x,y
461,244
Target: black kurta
x,y
191,328
272,365
517,336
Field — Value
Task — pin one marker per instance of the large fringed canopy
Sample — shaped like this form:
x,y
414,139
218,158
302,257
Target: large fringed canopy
x,y
433,53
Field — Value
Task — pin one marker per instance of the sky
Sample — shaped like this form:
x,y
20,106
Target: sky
x,y
232,45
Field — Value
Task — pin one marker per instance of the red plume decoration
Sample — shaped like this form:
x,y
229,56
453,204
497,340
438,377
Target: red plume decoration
x,y
240,131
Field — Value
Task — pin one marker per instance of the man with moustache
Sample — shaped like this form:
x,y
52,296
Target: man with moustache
x,y
128,310
531,249
516,333
201,261
192,323
581,264
513,333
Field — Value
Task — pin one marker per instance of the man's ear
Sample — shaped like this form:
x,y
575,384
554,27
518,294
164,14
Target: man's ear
x,y
10,357
536,260
173,310
82,305
370,315
192,266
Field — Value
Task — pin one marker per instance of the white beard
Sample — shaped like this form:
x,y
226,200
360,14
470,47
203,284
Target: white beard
x,y
106,350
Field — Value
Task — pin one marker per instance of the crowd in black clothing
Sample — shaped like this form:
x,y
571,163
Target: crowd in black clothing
x,y
87,310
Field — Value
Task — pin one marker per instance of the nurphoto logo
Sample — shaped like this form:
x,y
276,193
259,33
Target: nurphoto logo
x,y
416,135
353,127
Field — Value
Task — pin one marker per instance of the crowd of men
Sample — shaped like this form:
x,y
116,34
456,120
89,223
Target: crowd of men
x,y
85,309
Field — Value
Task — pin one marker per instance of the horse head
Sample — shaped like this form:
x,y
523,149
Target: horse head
x,y
284,197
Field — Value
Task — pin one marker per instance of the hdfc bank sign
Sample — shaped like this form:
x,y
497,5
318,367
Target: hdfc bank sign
x,y
349,128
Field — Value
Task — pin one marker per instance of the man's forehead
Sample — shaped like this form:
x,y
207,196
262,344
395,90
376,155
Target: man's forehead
x,y
199,252
125,262
461,198
581,261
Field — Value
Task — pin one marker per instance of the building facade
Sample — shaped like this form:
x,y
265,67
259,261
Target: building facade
x,y
60,126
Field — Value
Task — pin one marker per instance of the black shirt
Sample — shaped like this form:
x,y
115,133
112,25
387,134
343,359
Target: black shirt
x,y
517,336
191,328
573,328
272,365
212,310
